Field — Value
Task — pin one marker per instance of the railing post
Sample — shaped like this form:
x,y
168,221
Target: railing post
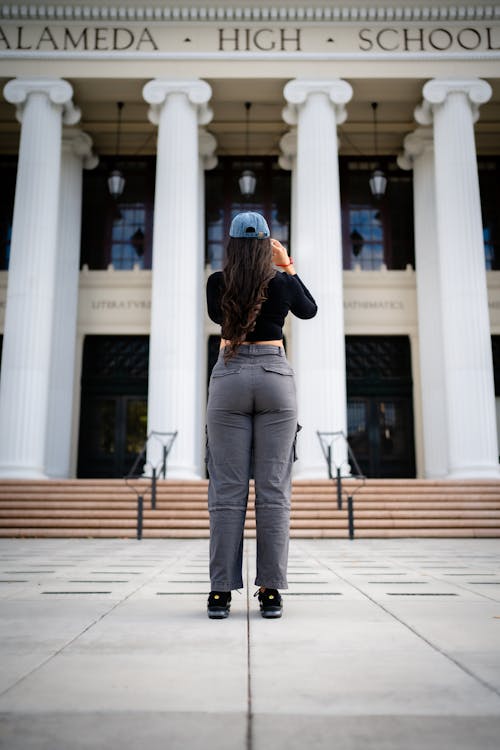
x,y
350,515
339,488
164,464
153,488
140,502
329,456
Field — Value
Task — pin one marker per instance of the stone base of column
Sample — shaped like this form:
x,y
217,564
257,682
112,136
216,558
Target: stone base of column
x,y
21,472
310,472
434,475
475,472
182,473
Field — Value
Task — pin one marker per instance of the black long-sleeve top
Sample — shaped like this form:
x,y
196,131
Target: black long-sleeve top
x,y
285,293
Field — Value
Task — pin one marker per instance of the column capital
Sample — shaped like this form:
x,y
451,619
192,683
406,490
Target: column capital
x,y
58,91
414,144
80,144
207,144
297,91
435,93
198,92
288,146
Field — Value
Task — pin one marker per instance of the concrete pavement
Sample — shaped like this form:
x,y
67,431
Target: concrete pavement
x,y
384,643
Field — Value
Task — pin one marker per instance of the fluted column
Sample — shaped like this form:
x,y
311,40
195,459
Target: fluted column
x,y
317,107
419,156
207,160
76,156
452,107
177,107
288,160
42,105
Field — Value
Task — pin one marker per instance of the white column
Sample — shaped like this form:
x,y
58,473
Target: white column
x,y
76,155
207,160
177,107
25,381
419,156
452,105
288,160
317,107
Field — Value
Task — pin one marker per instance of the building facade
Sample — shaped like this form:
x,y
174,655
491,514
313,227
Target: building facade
x,y
105,333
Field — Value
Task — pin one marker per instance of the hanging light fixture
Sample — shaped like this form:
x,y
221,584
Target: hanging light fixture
x,y
116,180
378,180
248,180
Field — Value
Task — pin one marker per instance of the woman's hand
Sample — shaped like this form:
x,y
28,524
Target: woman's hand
x,y
281,258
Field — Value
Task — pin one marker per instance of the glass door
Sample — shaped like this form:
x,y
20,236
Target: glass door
x,y
380,405
380,434
113,417
113,432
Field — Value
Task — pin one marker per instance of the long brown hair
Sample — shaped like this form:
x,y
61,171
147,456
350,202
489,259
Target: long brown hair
x,y
248,269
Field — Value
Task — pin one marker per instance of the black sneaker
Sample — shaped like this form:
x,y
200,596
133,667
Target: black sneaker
x,y
271,603
219,604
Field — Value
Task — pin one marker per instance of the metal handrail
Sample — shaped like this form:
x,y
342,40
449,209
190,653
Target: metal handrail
x,y
327,440
156,471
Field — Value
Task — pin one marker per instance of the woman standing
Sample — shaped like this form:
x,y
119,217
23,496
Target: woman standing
x,y
252,411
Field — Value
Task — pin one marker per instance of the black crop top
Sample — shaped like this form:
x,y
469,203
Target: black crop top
x,y
285,293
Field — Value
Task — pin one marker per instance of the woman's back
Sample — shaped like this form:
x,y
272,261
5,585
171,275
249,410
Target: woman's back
x,y
284,294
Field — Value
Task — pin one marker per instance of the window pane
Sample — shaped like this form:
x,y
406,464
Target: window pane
x,y
127,248
8,168
137,419
489,179
357,428
102,426
366,232
118,231
376,231
223,200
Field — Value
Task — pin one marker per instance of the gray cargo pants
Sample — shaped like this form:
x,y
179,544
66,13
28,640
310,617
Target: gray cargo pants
x,y
251,426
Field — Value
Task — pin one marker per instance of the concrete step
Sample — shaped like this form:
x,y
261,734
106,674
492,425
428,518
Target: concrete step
x,y
382,508
84,513
183,533
10,507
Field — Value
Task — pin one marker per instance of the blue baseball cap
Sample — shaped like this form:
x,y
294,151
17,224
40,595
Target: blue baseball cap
x,y
249,224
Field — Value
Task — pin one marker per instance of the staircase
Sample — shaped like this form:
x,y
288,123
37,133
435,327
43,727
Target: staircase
x,y
382,508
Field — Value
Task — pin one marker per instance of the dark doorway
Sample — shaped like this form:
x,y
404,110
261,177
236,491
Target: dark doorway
x,y
113,421
380,405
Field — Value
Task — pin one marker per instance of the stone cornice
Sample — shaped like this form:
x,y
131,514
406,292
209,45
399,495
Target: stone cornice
x,y
150,14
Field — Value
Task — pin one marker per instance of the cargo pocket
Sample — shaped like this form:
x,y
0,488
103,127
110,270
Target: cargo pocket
x,y
279,369
216,373
294,451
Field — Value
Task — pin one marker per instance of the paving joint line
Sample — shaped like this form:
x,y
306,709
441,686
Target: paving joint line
x,y
78,635
249,728
462,586
434,646
411,567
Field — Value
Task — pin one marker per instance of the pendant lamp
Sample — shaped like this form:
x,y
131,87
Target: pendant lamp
x,y
248,180
378,180
116,180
